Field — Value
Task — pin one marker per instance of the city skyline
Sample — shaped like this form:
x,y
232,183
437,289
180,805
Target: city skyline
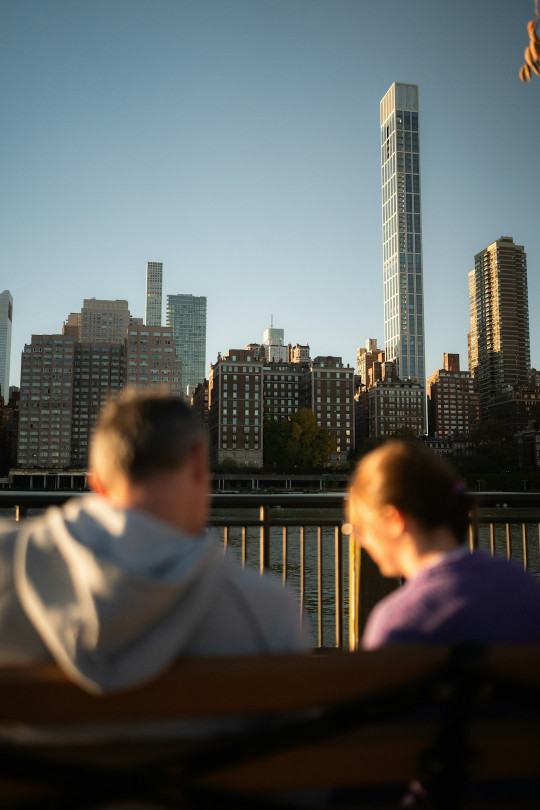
x,y
266,161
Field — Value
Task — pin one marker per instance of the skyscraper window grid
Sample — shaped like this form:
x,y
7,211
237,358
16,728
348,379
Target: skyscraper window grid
x,y
186,314
154,282
402,232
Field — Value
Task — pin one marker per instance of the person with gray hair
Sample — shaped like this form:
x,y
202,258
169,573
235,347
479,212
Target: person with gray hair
x,y
118,584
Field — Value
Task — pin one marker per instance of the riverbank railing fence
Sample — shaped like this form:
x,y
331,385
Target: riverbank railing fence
x,y
300,538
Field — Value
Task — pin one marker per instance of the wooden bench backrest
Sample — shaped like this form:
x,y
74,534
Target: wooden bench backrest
x,y
368,753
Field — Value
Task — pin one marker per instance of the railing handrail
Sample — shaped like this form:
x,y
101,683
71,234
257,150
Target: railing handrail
x,y
268,511
10,497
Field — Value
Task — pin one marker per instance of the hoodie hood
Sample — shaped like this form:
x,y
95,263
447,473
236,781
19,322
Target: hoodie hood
x,y
115,594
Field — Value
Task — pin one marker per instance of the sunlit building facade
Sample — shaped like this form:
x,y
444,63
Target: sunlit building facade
x,y
402,232
498,340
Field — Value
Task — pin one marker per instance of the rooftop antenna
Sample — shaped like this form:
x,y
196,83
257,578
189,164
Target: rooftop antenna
x,y
271,320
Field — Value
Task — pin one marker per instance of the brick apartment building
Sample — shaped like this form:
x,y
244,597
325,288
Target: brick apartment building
x,y
395,405
235,417
453,402
244,387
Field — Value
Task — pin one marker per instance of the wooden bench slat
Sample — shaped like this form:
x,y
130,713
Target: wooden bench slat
x,y
214,687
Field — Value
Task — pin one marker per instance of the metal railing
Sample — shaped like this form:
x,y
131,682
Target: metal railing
x,y
300,538
280,520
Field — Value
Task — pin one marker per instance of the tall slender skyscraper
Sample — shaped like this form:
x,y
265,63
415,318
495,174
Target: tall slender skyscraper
x,y
402,232
498,341
6,318
186,314
154,281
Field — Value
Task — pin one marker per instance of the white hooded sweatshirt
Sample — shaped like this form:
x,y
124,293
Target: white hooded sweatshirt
x,y
116,595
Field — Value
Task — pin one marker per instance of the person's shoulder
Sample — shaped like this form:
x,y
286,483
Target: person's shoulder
x,y
271,605
394,618
481,562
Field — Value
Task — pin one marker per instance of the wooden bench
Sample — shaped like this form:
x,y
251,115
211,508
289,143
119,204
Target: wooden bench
x,y
329,730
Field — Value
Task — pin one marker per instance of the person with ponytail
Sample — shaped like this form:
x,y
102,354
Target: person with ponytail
x,y
411,513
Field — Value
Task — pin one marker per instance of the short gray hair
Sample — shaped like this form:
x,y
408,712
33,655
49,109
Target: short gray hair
x,y
139,434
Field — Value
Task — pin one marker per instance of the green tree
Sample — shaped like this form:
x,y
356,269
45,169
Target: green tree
x,y
296,443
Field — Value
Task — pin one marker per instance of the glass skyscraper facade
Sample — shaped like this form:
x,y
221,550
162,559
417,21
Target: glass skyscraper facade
x,y
154,281
186,314
402,232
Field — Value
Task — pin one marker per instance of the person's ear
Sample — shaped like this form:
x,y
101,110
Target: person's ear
x,y
395,520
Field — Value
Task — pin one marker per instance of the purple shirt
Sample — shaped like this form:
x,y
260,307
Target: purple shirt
x,y
464,597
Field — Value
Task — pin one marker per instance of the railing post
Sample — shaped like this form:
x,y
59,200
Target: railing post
x,y
474,534
338,568
354,577
264,545
285,552
319,587
366,587
302,568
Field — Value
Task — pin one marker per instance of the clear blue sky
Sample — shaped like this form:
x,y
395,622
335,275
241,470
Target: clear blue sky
x,y
237,141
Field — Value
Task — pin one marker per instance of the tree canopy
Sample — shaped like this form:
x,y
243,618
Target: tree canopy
x,y
296,442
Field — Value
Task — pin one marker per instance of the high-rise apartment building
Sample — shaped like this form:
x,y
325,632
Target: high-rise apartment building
x,y
46,402
453,404
154,282
98,373
65,383
402,232
332,402
6,319
151,360
498,341
100,321
186,314
235,418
